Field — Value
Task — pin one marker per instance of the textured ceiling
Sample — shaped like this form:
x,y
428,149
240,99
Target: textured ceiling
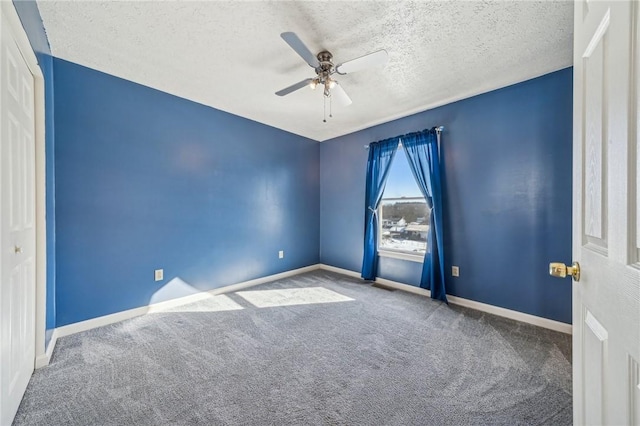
x,y
229,55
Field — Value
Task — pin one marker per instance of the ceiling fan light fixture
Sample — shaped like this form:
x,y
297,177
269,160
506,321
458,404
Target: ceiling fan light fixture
x,y
313,84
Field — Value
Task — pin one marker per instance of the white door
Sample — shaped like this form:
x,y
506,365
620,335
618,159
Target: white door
x,y
606,220
17,226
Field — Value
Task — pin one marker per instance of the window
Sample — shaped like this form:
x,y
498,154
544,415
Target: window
x,y
403,215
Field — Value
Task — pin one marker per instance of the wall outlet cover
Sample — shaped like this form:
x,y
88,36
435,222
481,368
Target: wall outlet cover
x,y
281,254
159,274
455,271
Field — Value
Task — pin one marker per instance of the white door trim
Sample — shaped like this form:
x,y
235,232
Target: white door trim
x,y
15,27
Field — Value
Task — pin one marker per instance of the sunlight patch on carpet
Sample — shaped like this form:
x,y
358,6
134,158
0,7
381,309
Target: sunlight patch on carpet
x,y
292,296
218,303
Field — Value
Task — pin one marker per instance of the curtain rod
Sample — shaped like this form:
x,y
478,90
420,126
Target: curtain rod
x,y
439,129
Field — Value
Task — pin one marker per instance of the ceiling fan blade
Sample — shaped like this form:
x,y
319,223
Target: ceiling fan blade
x,y
340,96
300,48
294,87
375,59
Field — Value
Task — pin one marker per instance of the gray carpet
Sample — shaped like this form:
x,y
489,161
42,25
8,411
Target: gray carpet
x,y
383,358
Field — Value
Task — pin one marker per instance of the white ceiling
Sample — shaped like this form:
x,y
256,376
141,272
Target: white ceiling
x,y
229,55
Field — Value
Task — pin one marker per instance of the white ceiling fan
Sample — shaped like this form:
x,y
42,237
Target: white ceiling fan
x,y
323,65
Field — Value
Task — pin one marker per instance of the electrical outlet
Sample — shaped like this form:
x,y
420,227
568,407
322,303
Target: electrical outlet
x,y
159,274
455,271
281,254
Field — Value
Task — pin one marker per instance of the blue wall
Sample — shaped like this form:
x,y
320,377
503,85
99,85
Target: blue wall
x,y
147,180
32,23
507,210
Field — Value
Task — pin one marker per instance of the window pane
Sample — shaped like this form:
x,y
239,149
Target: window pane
x,y
401,182
404,224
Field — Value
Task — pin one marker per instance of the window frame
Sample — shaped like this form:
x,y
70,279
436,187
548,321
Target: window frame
x,y
397,253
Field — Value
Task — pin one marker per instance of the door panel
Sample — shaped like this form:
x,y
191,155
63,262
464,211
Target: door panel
x,y
634,391
13,139
27,96
595,353
606,301
18,327
595,150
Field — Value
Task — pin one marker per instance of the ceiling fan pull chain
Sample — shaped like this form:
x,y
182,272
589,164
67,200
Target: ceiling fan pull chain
x,y
330,107
324,104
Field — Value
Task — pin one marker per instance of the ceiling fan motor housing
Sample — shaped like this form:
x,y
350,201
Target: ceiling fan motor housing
x,y
324,58
324,70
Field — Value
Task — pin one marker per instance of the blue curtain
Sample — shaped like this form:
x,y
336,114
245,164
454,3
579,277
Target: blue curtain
x,y
422,152
380,157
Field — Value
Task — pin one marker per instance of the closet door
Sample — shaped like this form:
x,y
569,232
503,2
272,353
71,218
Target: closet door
x,y
17,226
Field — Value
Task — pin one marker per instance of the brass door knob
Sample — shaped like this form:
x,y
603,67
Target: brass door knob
x,y
17,250
560,270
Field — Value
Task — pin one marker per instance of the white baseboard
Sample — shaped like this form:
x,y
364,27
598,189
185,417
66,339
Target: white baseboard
x,y
562,327
44,359
81,326
340,271
495,310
